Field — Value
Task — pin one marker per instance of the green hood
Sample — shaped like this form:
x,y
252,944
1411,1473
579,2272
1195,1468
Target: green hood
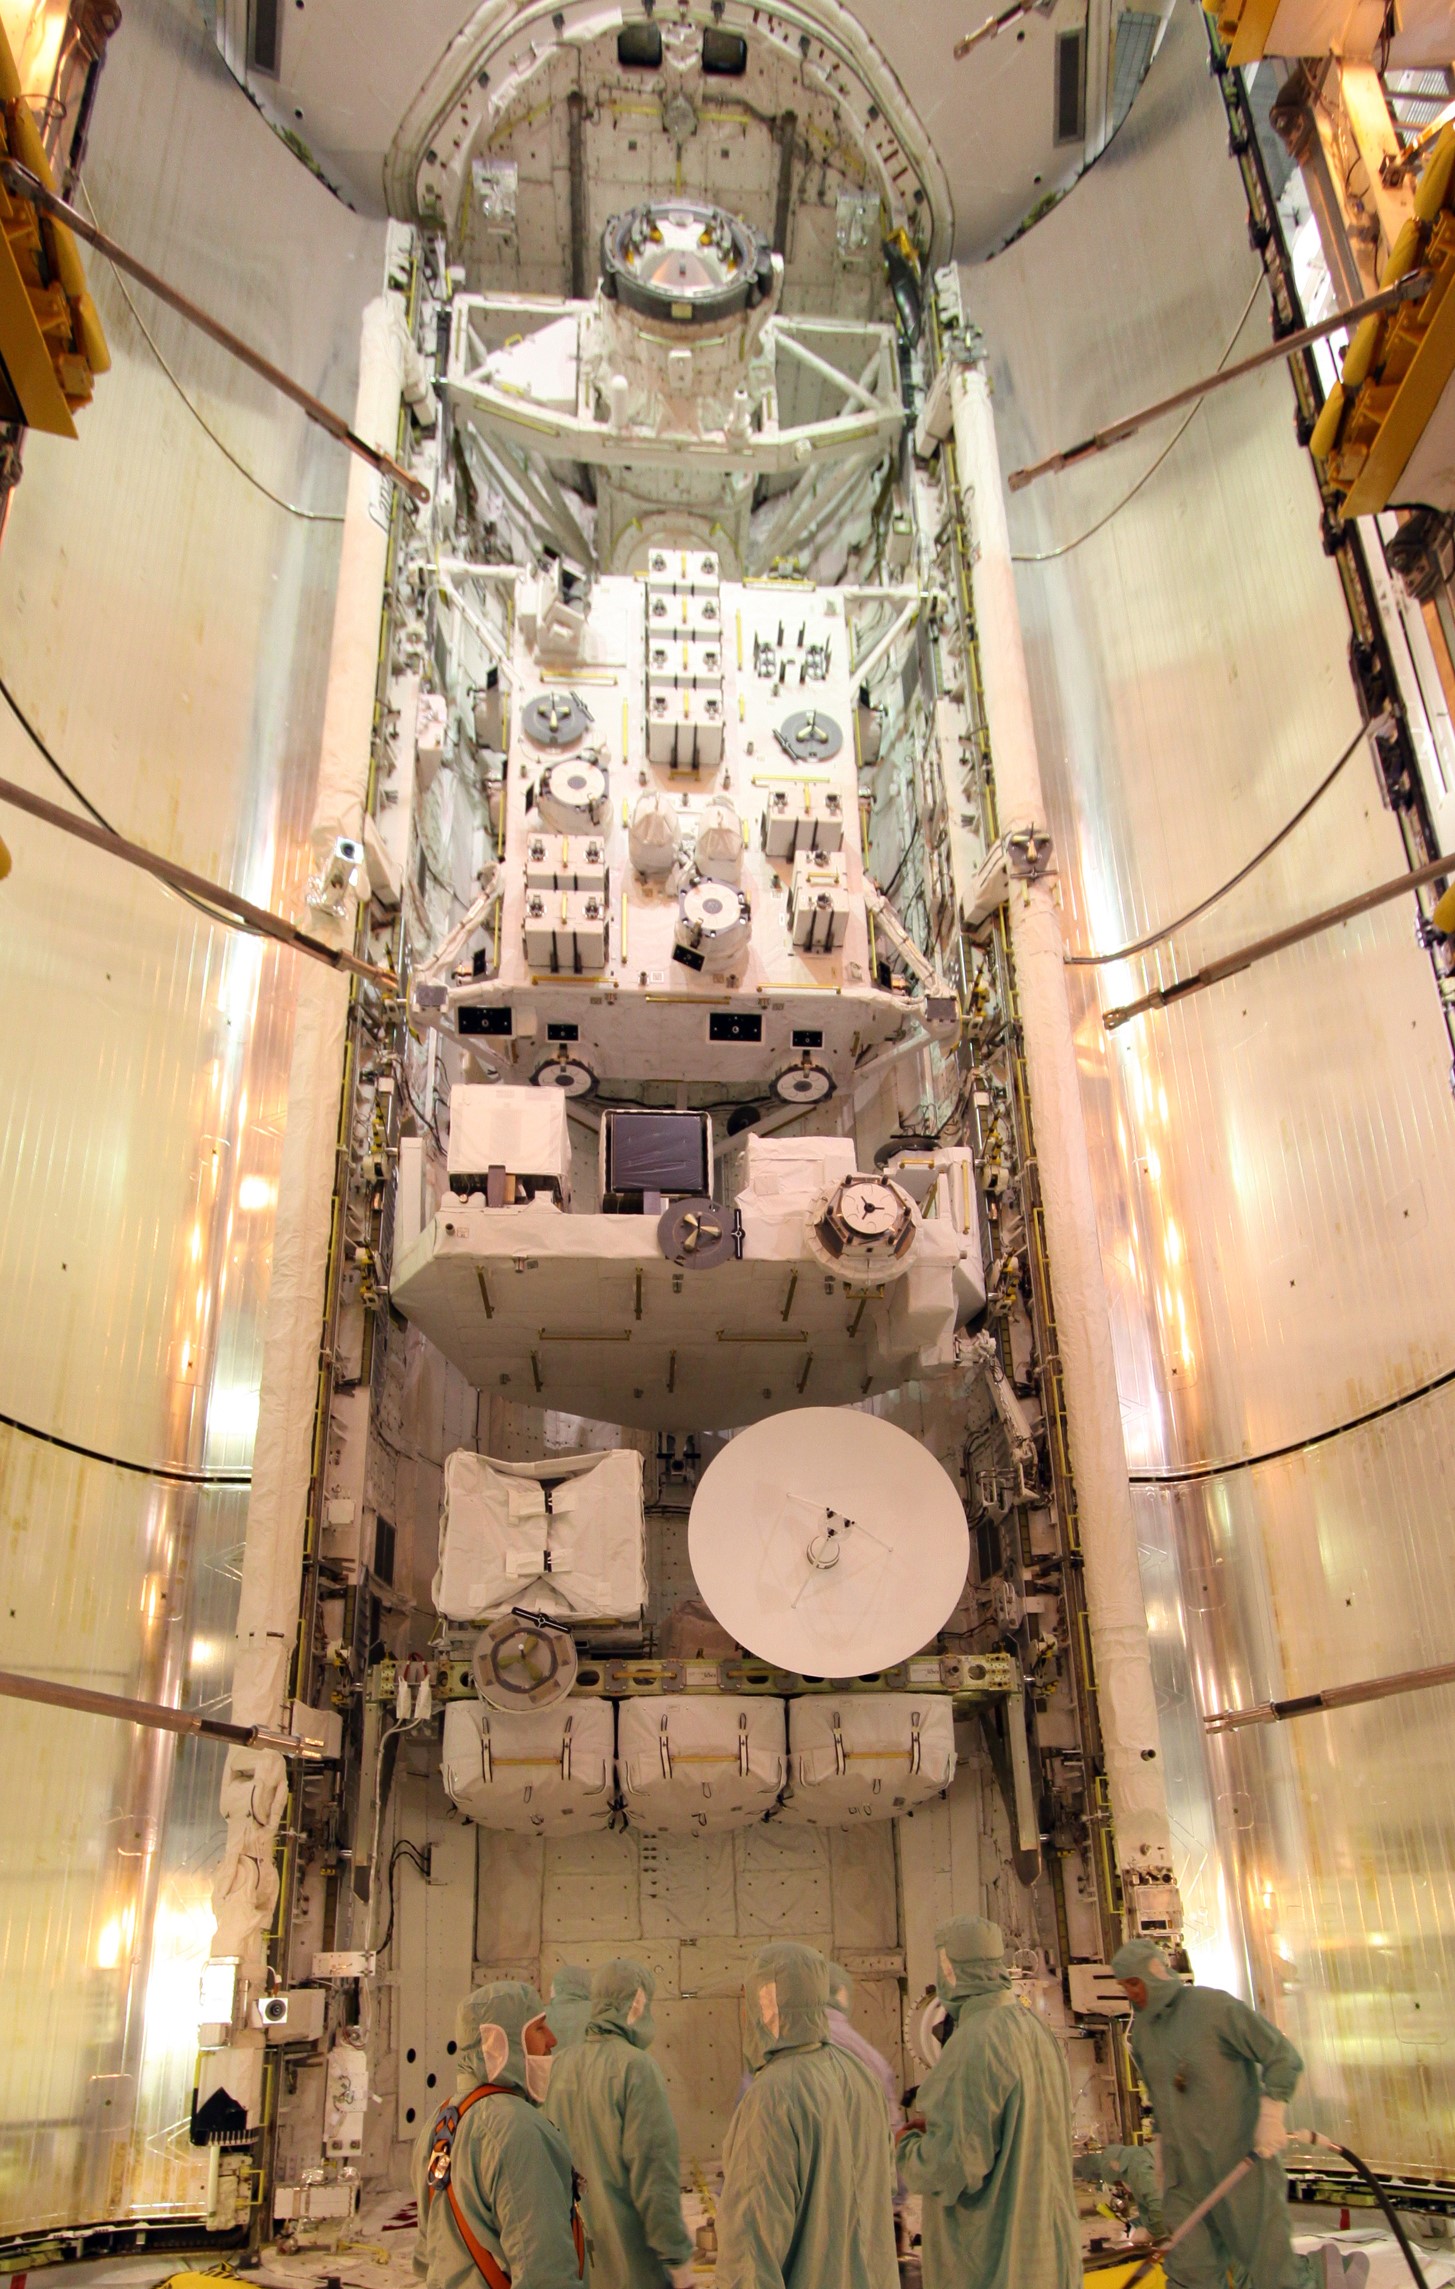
x,y
788,1993
970,1962
1143,1959
488,2029
621,2001
841,1988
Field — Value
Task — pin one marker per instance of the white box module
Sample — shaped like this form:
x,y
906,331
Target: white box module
x,y
566,862
520,1132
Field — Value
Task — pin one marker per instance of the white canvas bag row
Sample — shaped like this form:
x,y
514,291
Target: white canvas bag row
x,y
695,1764
578,1550
866,1756
541,1772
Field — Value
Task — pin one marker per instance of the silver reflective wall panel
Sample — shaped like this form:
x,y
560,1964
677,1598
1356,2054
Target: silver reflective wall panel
x,y
1273,1160
166,626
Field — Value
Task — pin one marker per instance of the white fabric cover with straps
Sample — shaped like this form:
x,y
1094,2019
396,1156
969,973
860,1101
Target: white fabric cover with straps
x,y
866,1756
541,1772
580,1553
688,1763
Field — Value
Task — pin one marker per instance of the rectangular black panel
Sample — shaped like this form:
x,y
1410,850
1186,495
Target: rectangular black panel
x,y
639,47
473,1019
734,1025
657,1152
563,1032
265,40
807,1037
1071,86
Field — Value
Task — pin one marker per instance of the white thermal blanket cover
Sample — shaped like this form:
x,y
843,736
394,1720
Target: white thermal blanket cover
x,y
866,1756
696,1762
578,1552
542,1772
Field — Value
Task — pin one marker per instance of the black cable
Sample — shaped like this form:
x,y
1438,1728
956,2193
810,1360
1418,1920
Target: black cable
x,y
1385,2204
416,1860
172,1472
1156,937
1198,1471
213,913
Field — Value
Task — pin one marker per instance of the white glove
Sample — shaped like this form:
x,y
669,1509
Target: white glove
x,y
1270,2137
681,2276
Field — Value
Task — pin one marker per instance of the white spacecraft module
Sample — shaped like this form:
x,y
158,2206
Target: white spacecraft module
x,y
828,1542
541,1772
562,1537
688,1764
868,1756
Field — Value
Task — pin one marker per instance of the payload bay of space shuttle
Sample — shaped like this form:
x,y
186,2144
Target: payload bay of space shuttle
x,y
711,1344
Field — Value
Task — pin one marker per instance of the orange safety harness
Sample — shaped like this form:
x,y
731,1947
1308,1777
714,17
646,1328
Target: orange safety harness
x,y
438,2180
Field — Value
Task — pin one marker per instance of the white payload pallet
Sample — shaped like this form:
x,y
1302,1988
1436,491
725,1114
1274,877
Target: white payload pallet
x,y
577,1551
866,1756
540,1772
687,1766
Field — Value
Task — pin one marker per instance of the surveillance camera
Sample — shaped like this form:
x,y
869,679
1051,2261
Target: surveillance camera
x,y
273,2010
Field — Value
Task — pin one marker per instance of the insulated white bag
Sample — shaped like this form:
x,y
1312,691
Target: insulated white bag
x,y
575,1547
541,1772
692,1762
866,1756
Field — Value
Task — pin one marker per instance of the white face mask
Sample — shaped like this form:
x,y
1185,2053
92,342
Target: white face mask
x,y
537,2075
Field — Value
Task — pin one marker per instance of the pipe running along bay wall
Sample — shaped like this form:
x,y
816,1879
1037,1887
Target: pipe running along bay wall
x,y
255,1781
1115,1609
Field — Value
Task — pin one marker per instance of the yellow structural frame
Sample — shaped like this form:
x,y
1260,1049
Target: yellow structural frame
x,y
51,340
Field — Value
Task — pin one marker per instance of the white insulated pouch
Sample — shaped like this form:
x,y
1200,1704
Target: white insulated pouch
x,y
574,1548
691,1763
541,1772
866,1756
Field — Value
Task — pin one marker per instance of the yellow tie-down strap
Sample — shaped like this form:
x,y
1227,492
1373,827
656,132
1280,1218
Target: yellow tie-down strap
x,y
1399,361
51,343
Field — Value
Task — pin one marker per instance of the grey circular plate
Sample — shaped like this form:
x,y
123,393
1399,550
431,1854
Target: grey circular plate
x,y
803,1085
697,1235
554,719
568,1074
810,736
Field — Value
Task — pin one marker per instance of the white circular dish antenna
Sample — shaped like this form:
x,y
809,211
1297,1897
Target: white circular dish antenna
x,y
828,1542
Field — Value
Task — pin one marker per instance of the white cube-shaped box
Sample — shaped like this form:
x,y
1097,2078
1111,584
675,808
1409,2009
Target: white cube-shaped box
x,y
565,931
673,611
565,862
818,902
688,1765
521,1132
684,659
541,1772
866,1756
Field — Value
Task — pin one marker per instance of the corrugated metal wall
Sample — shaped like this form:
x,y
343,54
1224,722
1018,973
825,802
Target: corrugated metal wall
x,y
1274,1158
166,626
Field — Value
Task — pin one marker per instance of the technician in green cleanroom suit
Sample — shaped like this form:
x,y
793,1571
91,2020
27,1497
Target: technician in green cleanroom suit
x,y
1219,2078
609,2102
570,2005
807,2196
989,2148
509,2170
1134,2167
